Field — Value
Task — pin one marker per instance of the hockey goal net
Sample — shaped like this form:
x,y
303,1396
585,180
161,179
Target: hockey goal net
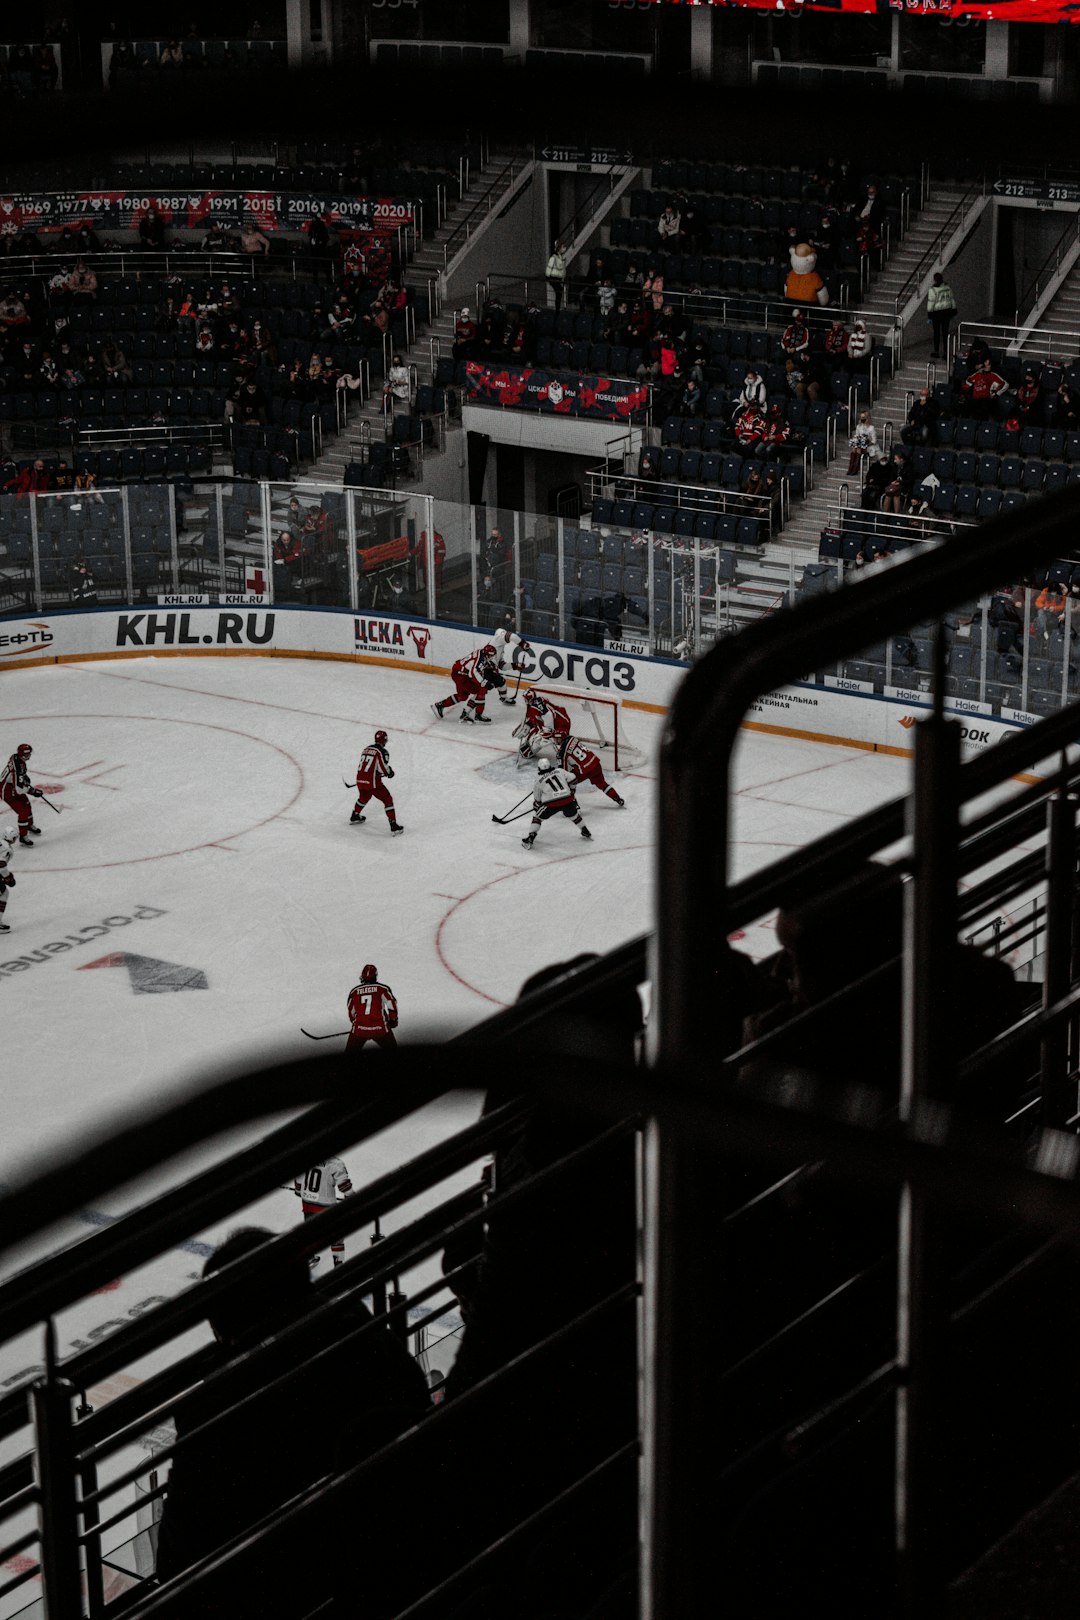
x,y
597,721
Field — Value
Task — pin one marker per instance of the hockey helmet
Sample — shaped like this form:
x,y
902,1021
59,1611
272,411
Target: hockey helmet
x,y
369,974
544,764
488,651
9,834
533,699
24,750
381,739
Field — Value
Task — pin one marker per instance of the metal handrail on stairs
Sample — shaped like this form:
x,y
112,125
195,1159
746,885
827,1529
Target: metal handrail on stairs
x,y
482,207
1029,297
956,220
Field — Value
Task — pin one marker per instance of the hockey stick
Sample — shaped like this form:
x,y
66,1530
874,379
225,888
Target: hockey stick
x,y
506,820
336,1034
517,688
510,816
57,807
350,785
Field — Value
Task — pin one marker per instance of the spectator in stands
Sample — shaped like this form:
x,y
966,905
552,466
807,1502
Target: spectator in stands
x,y
751,480
940,310
1029,400
151,231
555,272
691,400
250,406
87,240
228,1474
121,61
982,389
34,478
858,349
83,588
750,426
878,475
921,425
693,231
869,211
252,240
48,371
978,350
1006,617
652,290
824,240
862,444
397,387
649,465
640,323
72,377
216,238
171,56
836,343
799,381
778,433
205,342
772,485
668,226
796,339
492,335
12,312
1051,609
897,492
464,335
1068,406
753,391
605,297
318,238
83,283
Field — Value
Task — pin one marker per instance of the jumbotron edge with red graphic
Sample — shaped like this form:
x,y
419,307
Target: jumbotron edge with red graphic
x,y
1040,11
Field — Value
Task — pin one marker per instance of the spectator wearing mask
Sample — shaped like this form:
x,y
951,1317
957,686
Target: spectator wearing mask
x,y
862,444
921,425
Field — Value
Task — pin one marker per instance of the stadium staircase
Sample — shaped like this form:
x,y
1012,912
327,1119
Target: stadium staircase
x,y
1062,313
810,516
425,267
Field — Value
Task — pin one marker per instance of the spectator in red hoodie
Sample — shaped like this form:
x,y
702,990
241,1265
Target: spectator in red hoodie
x,y
982,388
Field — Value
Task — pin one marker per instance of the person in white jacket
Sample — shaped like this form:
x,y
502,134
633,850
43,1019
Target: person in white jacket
x,y
863,442
555,271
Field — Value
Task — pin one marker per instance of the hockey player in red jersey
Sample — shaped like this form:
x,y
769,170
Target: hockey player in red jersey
x,y
373,1012
7,880
474,677
317,1189
373,769
552,796
582,765
16,790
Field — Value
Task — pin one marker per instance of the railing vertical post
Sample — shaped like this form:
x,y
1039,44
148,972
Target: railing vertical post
x,y
930,943
88,1481
50,1399
351,557
1058,1088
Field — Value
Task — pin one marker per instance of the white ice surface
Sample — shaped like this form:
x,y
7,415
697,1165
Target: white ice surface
x,y
211,790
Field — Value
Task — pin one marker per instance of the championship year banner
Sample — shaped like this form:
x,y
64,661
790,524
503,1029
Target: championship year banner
x,y
42,212
609,399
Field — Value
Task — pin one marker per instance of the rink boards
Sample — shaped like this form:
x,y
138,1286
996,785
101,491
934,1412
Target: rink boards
x,y
838,712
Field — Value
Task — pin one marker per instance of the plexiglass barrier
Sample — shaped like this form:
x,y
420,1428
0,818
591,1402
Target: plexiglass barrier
x,y
568,580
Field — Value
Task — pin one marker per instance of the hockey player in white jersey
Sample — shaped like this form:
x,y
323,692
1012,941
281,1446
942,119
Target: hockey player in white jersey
x,y
552,796
317,1189
509,652
7,880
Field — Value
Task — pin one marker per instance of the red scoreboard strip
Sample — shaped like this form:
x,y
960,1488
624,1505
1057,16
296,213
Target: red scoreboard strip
x,y
1039,11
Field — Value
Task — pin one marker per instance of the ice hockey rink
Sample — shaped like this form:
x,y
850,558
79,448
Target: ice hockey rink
x,y
204,845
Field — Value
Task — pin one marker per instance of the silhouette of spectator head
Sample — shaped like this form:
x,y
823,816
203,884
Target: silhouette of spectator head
x,y
279,1288
603,1024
